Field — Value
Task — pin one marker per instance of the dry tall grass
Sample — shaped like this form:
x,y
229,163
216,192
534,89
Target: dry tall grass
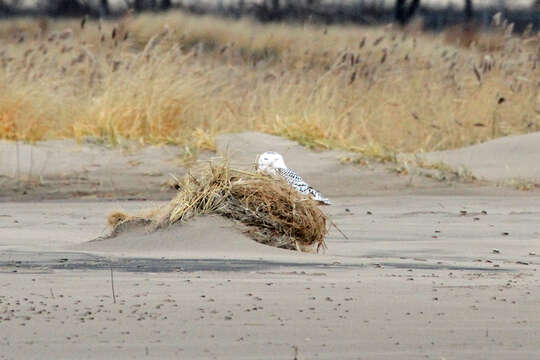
x,y
180,79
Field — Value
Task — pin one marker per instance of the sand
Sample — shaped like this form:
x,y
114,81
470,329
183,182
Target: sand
x,y
326,171
429,270
371,314
64,169
506,159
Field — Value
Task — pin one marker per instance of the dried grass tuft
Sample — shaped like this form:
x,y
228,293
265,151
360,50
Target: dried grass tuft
x,y
116,218
273,212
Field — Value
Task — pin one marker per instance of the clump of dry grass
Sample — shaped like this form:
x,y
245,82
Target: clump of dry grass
x,y
116,217
273,212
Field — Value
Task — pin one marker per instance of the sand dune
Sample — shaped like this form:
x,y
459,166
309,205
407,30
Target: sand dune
x,y
204,237
504,159
65,169
322,170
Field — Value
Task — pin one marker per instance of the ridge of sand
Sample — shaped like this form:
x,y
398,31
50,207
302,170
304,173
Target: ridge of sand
x,y
200,237
65,168
324,171
503,159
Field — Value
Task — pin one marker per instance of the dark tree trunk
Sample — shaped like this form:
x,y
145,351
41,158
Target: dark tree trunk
x,y
104,9
4,8
166,5
403,13
412,9
68,8
469,11
268,10
138,5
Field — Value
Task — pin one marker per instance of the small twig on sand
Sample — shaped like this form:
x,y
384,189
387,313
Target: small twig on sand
x,y
112,284
295,352
338,229
18,173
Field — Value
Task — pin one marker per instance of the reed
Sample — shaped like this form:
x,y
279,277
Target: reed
x,y
180,79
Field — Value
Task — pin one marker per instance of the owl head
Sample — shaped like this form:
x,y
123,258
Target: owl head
x,y
269,161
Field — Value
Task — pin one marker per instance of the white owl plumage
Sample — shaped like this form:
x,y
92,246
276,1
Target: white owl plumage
x,y
273,164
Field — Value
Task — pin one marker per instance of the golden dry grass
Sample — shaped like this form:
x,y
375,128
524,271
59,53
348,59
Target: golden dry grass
x,y
274,213
183,79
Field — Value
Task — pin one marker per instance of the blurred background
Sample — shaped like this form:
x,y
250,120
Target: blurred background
x,y
435,14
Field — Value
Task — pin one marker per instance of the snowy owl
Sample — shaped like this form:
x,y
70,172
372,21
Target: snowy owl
x,y
273,164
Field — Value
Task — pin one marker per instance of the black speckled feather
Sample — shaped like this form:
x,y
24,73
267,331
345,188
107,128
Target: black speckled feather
x,y
296,181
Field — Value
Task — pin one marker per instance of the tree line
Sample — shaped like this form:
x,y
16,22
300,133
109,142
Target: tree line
x,y
359,11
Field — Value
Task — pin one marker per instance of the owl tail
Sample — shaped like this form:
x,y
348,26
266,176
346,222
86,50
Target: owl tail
x,y
322,200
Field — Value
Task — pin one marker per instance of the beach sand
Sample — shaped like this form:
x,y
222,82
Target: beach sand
x,y
429,269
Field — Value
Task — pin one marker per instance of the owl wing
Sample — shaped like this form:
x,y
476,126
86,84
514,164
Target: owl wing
x,y
296,181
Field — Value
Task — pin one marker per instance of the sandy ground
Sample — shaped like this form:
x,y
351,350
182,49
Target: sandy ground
x,y
430,269
415,280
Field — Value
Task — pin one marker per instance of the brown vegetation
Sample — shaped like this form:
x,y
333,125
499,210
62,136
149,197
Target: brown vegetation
x,y
181,79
